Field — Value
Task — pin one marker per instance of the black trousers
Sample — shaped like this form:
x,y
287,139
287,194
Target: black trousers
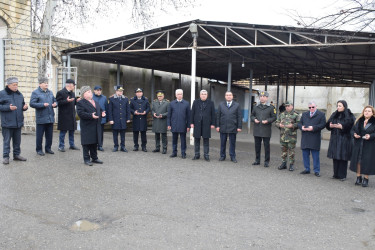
x,y
206,146
164,140
175,141
143,139
340,168
232,144
13,134
47,130
258,145
90,150
115,133
102,135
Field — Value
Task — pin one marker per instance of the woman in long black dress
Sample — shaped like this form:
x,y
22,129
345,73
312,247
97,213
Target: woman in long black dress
x,y
363,154
340,145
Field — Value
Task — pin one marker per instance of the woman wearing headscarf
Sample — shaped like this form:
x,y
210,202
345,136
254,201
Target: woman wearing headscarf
x,y
340,145
363,156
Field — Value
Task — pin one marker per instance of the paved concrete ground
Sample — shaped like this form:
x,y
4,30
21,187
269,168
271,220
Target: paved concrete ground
x,y
140,200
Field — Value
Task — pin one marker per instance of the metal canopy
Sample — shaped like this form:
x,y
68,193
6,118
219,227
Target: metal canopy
x,y
276,53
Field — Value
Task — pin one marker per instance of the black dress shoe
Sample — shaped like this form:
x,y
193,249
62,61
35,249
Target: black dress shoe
x,y
123,150
222,159
365,182
183,156
135,149
359,180
97,161
61,149
282,166
114,149
41,153
291,167
305,172
164,151
156,150
173,155
266,164
74,148
89,163
5,160
49,151
196,158
207,158
233,159
100,148
144,149
317,174
19,158
256,163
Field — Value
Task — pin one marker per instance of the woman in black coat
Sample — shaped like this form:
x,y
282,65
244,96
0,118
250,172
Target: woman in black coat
x,y
363,156
340,145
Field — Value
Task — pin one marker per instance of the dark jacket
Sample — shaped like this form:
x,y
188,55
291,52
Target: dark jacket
x,y
102,100
312,139
141,105
43,114
90,128
118,111
263,112
159,125
364,150
203,117
179,116
340,143
66,110
11,118
229,119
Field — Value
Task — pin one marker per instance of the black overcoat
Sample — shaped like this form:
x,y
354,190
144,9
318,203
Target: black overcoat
x,y
203,117
263,112
90,128
312,139
179,116
229,119
159,125
118,111
141,105
364,150
66,110
340,143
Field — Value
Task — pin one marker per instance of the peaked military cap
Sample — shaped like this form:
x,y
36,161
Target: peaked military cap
x,y
263,93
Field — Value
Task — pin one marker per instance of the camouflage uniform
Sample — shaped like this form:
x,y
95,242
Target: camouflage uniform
x,y
288,136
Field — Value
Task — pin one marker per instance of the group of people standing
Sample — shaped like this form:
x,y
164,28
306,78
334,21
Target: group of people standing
x,y
351,140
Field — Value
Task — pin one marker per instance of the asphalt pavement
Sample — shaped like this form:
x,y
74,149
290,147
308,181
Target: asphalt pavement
x,y
139,200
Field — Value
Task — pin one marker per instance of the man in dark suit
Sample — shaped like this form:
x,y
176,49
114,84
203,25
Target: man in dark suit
x,y
118,117
90,114
139,107
311,124
228,123
67,114
178,122
263,115
202,120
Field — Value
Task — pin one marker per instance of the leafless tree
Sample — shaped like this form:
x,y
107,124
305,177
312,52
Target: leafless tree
x,y
355,15
81,12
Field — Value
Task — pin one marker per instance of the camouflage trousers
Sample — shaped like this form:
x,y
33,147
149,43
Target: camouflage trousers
x,y
287,150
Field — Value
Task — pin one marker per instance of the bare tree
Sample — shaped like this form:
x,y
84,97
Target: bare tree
x,y
356,15
66,13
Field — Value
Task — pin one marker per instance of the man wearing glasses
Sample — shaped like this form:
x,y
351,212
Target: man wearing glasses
x,y
311,124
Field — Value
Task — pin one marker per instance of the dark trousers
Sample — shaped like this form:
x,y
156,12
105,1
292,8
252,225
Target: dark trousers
x,y
13,134
258,146
306,159
47,130
62,138
115,133
143,139
101,135
232,144
90,150
163,139
175,141
340,169
206,146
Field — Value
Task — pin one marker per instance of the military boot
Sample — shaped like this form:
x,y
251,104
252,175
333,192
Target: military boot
x,y
282,166
291,167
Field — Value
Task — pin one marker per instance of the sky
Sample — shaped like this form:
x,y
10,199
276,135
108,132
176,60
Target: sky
x,y
268,12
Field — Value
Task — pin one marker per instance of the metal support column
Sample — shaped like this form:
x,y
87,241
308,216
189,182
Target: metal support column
x,y
287,87
152,85
201,83
371,100
68,65
192,84
294,88
118,74
266,83
2,66
229,76
179,81
277,97
64,59
250,100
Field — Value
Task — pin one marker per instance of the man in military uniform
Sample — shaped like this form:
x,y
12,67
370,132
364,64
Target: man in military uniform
x,y
159,113
118,117
288,125
139,107
263,115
